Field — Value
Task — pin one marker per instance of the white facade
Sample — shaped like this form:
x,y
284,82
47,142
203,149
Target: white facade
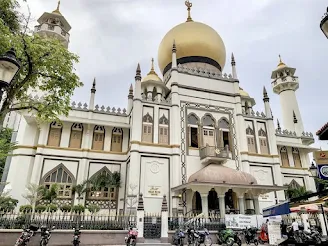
x,y
171,130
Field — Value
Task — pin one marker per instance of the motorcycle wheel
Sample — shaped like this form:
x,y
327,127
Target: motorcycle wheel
x,y
238,242
208,241
318,240
256,242
43,243
76,244
230,241
181,242
19,243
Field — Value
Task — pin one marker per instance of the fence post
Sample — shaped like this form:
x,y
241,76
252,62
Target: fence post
x,y
165,221
140,217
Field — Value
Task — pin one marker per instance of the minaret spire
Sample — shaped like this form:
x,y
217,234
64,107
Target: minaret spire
x,y
174,56
233,65
93,89
57,9
92,96
189,5
294,117
265,95
278,125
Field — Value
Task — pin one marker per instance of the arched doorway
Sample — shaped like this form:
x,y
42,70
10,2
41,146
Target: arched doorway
x,y
231,201
197,203
213,202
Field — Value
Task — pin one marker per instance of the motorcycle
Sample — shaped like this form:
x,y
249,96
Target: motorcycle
x,y
228,237
178,237
312,236
131,239
45,235
250,235
263,237
26,235
76,237
203,237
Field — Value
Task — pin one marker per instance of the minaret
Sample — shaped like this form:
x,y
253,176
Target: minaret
x,y
285,83
266,101
55,25
92,96
233,65
130,99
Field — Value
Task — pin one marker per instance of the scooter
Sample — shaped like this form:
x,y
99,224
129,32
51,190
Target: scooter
x,y
45,235
26,235
178,237
131,239
76,237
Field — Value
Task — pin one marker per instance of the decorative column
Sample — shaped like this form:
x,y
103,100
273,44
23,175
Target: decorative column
x,y
222,205
140,216
204,197
165,222
241,203
256,205
200,135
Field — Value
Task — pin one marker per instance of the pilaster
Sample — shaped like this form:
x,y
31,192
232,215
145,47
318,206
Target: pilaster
x,y
204,197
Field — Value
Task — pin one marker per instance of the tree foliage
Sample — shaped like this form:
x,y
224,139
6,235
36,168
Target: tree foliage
x,y
296,192
6,146
46,66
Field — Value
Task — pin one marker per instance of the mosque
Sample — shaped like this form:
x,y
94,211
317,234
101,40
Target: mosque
x,y
189,132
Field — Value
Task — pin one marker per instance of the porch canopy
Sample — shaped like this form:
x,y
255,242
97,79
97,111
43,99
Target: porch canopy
x,y
222,179
218,176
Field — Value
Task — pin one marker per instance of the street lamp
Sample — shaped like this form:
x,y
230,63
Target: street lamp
x,y
324,24
313,170
9,67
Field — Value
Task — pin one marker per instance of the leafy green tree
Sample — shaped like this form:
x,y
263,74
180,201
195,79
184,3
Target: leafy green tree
x,y
6,146
50,194
292,192
80,190
46,66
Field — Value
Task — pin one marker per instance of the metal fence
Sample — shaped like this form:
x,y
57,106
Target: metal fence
x,y
211,223
67,221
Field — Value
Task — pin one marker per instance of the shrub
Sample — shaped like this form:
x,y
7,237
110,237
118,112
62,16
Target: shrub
x,y
40,208
93,208
78,209
25,209
65,208
52,207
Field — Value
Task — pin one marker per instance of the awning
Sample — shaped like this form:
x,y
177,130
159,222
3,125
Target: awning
x,y
279,209
296,145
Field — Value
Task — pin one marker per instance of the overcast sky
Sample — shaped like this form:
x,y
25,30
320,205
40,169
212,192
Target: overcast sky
x,y
112,36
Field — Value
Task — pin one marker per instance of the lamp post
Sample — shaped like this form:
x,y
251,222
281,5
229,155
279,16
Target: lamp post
x,y
324,24
9,67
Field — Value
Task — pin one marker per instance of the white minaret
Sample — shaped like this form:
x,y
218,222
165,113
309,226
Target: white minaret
x,y
92,95
54,25
285,83
233,65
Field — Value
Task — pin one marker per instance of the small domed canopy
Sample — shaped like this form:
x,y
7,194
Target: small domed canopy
x,y
214,173
243,93
152,75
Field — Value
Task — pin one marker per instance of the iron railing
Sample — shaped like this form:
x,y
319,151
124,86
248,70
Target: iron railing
x,y
67,221
211,223
212,151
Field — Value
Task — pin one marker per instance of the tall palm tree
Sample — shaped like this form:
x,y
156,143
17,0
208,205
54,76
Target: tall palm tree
x,y
80,189
49,194
292,192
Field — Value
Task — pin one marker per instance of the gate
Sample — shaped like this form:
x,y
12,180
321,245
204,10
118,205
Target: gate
x,y
152,226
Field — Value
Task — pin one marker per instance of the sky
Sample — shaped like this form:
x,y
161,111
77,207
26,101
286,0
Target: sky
x,y
112,36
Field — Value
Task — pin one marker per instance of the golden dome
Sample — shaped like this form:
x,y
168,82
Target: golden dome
x,y
152,75
56,11
243,93
195,42
281,64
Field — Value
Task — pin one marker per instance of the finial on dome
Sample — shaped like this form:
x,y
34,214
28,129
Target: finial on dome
x,y
152,69
57,9
189,5
281,62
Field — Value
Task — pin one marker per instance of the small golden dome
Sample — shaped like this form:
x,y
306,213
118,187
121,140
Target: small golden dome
x,y
152,75
243,93
281,64
195,42
56,11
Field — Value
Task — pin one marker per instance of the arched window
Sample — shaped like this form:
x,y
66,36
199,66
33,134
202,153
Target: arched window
x,y
250,135
55,134
208,130
76,135
224,134
117,139
163,130
296,157
61,176
192,129
284,157
98,138
102,192
147,126
264,148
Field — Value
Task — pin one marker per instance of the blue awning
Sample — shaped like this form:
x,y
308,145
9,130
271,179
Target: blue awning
x,y
279,209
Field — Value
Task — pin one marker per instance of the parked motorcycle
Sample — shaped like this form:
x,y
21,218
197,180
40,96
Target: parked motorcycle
x,y
178,237
228,237
76,237
26,235
203,237
45,235
131,239
312,236
251,235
